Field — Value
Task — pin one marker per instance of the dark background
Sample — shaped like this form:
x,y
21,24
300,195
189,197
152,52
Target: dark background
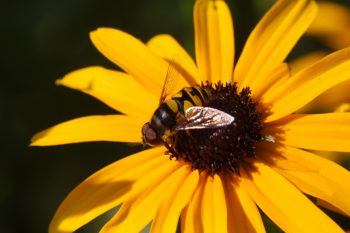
x,y
41,40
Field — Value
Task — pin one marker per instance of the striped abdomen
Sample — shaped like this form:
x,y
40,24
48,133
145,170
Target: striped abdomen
x,y
165,117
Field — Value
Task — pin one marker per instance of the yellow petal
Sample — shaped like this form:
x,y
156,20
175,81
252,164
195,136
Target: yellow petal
x,y
329,206
305,60
337,157
190,216
166,47
331,25
133,56
277,78
283,203
214,40
169,211
272,40
343,108
243,214
308,84
138,210
324,179
327,100
187,225
335,99
109,187
114,128
213,205
324,132
330,99
117,89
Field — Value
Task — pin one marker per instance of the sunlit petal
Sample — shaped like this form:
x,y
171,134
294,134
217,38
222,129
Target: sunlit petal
x,y
114,128
109,187
320,177
243,214
277,78
283,203
169,211
133,56
117,89
190,216
167,47
308,84
324,132
213,206
272,39
214,40
305,60
140,209
187,224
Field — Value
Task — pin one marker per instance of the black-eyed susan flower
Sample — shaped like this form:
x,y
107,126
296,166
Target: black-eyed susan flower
x,y
256,162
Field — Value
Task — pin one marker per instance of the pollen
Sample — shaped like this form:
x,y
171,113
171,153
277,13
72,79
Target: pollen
x,y
222,148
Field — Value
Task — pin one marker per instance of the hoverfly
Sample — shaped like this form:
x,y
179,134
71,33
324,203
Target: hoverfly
x,y
182,111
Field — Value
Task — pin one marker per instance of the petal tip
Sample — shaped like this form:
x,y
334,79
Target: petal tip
x,y
36,139
59,82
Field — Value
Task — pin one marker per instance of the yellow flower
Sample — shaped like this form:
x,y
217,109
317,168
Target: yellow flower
x,y
275,179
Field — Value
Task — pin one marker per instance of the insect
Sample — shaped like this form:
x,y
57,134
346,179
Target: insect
x,y
182,111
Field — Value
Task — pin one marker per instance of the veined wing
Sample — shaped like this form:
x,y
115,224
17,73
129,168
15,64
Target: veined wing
x,y
204,118
171,79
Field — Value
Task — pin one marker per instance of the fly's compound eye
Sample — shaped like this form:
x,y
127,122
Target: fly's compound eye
x,y
150,136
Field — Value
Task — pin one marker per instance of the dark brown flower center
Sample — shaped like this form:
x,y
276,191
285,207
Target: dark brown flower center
x,y
222,148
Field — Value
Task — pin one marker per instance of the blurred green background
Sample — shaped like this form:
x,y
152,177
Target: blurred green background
x,y
41,40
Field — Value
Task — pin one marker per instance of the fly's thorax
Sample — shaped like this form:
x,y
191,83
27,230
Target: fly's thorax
x,y
189,97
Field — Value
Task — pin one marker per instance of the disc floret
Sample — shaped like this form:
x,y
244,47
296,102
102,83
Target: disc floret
x,y
222,148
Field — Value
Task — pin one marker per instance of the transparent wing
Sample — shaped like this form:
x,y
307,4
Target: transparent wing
x,y
171,79
203,118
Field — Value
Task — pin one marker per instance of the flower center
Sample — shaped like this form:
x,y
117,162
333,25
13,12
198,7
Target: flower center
x,y
222,148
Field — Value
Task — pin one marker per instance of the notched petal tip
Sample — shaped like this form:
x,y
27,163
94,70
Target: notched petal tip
x,y
101,32
81,79
214,40
99,29
132,55
116,89
93,35
36,139
165,46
